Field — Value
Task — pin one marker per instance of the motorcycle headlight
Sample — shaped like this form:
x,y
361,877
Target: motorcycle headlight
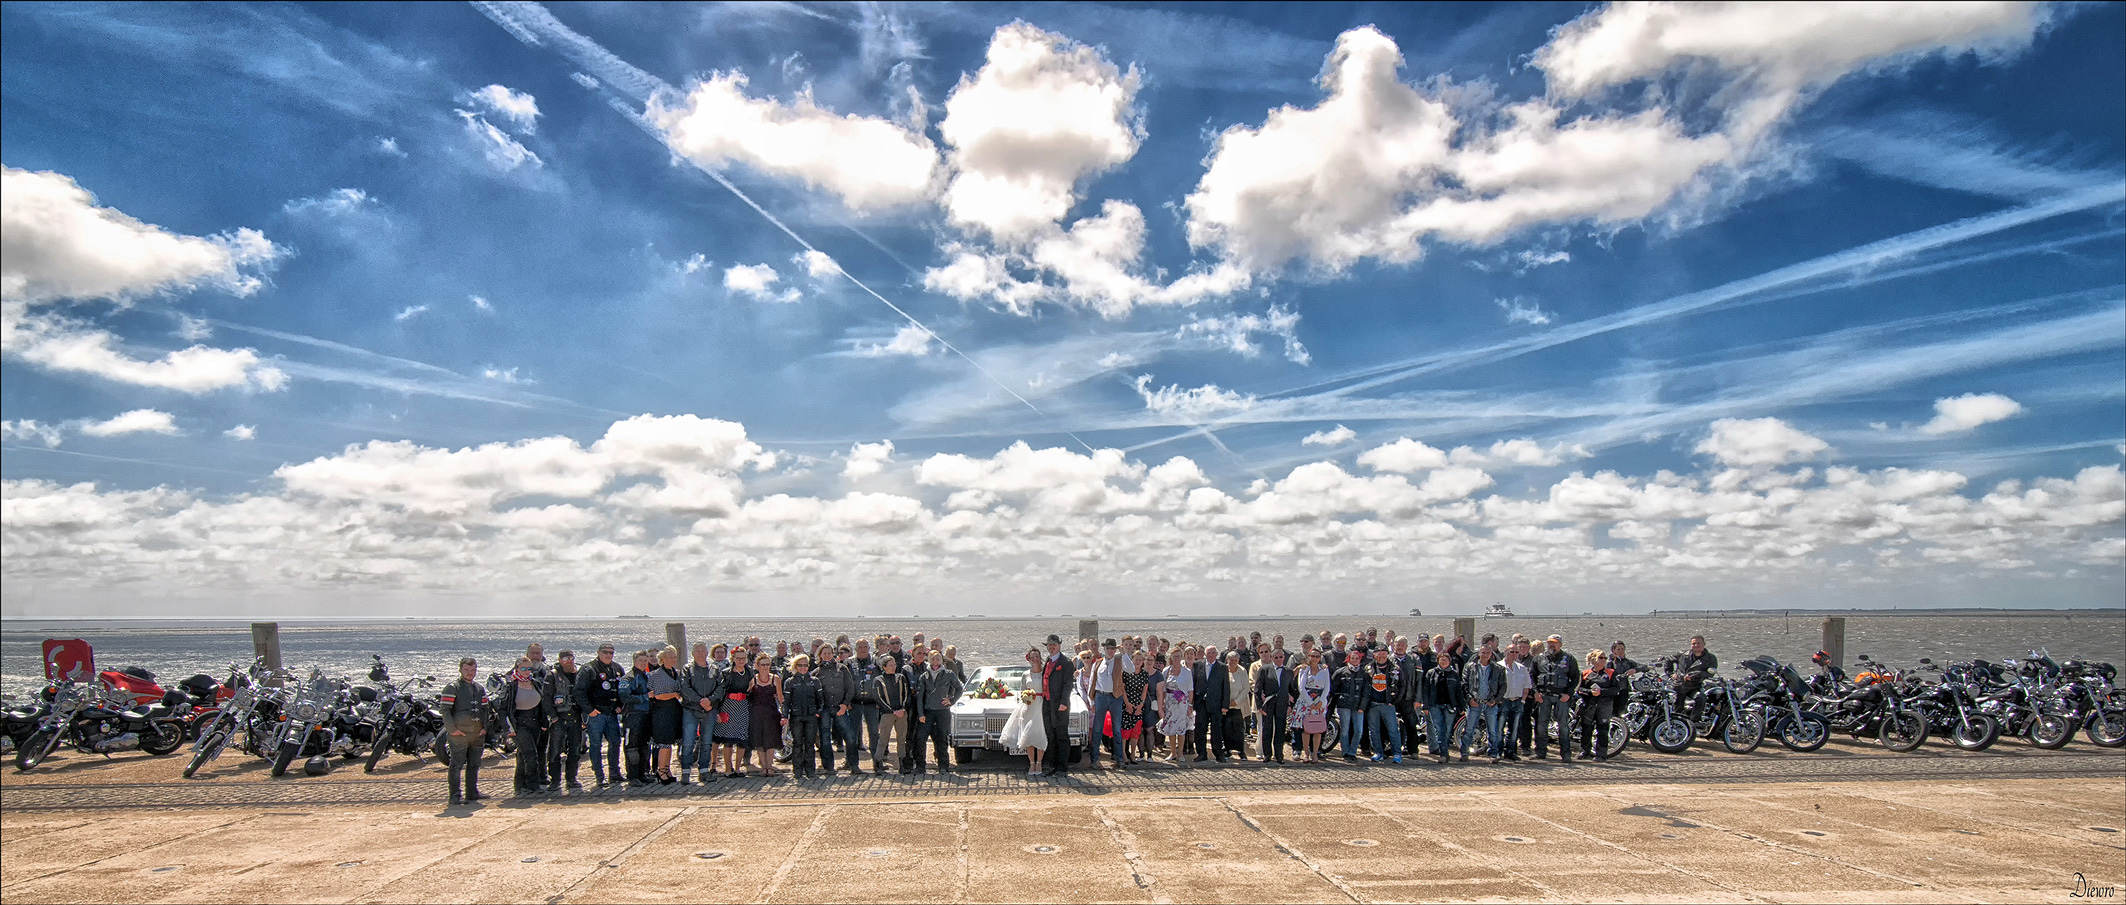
x,y
306,711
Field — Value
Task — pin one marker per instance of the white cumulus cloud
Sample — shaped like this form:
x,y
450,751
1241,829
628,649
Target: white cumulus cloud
x,y
47,434
58,246
137,421
758,281
1759,442
241,432
867,459
1961,413
909,340
502,152
1337,437
1522,311
866,161
520,109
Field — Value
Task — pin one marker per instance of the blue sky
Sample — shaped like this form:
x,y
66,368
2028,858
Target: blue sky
x,y
1334,308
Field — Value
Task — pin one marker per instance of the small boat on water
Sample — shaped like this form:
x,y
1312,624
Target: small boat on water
x,y
1496,609
1416,612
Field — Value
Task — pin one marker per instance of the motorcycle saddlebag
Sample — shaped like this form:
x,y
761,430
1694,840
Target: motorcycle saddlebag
x,y
200,685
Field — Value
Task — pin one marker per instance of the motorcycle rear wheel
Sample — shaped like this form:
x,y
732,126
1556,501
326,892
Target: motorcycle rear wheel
x,y
162,738
1807,733
1743,733
2051,731
1671,735
286,756
376,751
35,749
210,745
1976,733
2106,728
1903,730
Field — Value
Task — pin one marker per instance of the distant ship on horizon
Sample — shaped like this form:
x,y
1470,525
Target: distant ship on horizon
x,y
1497,609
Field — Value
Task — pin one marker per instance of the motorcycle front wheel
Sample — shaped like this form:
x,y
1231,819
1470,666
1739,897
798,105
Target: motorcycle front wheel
x,y
209,748
1903,730
1619,737
2106,728
376,751
1805,733
1976,732
1671,735
2051,731
35,749
163,738
1743,733
288,752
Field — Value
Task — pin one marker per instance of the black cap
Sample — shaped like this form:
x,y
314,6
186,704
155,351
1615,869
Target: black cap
x,y
1052,639
1108,643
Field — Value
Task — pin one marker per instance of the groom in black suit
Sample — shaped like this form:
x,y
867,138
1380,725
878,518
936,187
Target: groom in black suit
x,y
1059,677
1218,690
1275,687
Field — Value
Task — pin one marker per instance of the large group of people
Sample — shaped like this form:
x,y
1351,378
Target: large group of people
x,y
728,709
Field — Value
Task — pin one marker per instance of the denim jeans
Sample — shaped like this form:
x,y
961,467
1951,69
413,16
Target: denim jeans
x,y
851,731
697,737
1509,722
826,740
1350,724
1105,705
1383,726
867,715
1555,708
1488,715
604,733
1439,724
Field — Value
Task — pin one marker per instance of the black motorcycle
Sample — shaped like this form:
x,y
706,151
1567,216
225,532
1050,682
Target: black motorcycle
x,y
1873,705
96,723
1654,714
1776,691
404,721
246,719
1951,706
20,722
305,723
500,715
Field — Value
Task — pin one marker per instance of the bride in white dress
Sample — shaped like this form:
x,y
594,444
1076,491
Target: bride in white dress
x,y
1025,729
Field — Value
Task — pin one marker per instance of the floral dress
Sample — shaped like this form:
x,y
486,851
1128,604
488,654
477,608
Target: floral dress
x,y
1178,688
1311,712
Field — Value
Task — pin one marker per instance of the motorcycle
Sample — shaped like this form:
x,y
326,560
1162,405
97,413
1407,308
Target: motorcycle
x,y
2087,689
1952,707
404,721
1651,711
1775,692
1873,705
1720,714
207,697
99,722
20,721
500,715
305,723
238,713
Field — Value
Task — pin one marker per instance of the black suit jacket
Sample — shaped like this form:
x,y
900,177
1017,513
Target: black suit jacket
x,y
1217,690
1275,688
1059,677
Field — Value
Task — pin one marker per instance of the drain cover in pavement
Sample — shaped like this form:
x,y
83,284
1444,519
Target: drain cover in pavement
x,y
708,856
1044,849
348,864
1206,845
1361,843
164,870
531,860
1514,839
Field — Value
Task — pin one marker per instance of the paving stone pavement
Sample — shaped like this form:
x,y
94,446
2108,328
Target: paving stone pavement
x,y
349,787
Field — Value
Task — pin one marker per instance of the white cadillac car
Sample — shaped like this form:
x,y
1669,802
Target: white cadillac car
x,y
977,723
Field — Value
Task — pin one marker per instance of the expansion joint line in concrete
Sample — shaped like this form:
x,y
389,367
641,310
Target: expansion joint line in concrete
x,y
1451,845
812,833
2051,805
615,861
1696,875
1126,842
76,867
959,894
506,826
1774,843
1292,851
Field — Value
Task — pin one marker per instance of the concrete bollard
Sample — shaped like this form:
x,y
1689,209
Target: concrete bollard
x,y
1834,639
266,644
1465,628
675,634
1089,628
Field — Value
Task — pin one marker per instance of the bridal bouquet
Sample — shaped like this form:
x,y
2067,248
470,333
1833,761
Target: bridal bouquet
x,y
991,689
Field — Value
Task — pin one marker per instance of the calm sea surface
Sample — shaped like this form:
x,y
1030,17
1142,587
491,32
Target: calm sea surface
x,y
173,650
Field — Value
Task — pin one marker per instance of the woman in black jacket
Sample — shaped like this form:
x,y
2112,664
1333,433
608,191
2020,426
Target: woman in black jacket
x,y
1442,698
1600,690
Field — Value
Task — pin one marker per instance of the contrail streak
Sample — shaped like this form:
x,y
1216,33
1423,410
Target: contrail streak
x,y
534,25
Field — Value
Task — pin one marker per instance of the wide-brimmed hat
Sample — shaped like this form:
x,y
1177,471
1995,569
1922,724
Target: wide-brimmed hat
x,y
1053,639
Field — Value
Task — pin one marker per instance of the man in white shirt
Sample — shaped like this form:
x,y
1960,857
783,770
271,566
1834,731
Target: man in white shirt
x,y
1107,702
1520,690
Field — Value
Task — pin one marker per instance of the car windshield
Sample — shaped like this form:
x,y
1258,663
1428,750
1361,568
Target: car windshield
x,y
1015,678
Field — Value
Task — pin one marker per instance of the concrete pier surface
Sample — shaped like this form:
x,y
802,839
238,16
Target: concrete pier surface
x,y
1846,825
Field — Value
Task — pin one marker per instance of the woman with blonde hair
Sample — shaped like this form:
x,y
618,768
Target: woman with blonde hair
x,y
1600,692
665,710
